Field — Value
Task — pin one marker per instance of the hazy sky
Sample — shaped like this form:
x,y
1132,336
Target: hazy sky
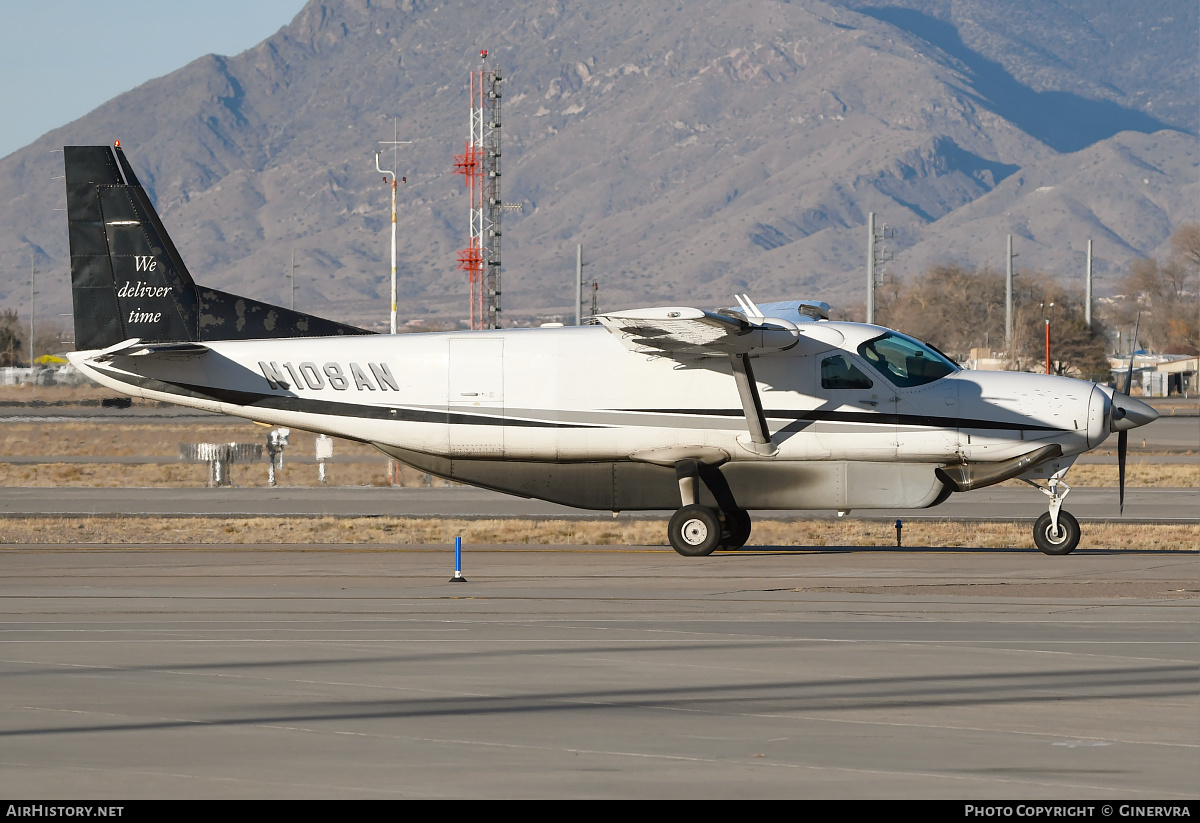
x,y
59,59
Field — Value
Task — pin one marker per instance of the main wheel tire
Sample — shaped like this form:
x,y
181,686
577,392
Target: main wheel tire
x,y
694,531
737,529
1062,543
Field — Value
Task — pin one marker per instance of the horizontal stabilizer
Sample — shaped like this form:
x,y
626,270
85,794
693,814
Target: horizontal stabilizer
x,y
136,348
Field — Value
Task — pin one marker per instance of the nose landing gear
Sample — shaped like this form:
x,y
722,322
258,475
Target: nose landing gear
x,y
1056,531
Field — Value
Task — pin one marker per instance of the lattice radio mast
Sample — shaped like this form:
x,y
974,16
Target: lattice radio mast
x,y
480,165
877,255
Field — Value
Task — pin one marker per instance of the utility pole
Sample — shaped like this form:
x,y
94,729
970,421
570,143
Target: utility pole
x,y
292,277
1008,302
1087,304
871,267
1047,313
394,142
32,299
393,469
579,284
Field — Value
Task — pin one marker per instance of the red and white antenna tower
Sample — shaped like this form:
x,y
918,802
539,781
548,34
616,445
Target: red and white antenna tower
x,y
480,165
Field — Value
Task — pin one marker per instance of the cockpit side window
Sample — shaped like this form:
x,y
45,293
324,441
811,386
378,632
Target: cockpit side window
x,y
904,361
837,372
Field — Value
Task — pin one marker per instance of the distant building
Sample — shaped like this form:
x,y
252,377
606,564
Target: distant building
x,y
984,359
1159,375
63,374
1173,377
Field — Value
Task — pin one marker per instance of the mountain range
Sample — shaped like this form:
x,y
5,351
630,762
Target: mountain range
x,y
695,149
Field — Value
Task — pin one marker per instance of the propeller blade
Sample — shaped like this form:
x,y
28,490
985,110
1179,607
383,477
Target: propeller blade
x,y
1122,448
1132,348
1123,436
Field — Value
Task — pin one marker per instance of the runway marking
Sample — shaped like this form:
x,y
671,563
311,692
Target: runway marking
x,y
591,702
117,770
940,726
940,775
585,623
1091,741
627,641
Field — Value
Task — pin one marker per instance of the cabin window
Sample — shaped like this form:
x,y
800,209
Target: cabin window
x,y
838,372
904,361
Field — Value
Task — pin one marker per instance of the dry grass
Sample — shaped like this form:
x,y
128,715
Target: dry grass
x,y
1137,476
358,464
103,475
58,394
381,532
157,439
367,472
365,467
370,469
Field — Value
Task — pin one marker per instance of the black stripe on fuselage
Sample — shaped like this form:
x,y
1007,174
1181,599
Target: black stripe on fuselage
x,y
293,403
875,418
333,408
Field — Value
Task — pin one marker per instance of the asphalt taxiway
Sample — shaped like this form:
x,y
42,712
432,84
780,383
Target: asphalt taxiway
x,y
334,672
1087,504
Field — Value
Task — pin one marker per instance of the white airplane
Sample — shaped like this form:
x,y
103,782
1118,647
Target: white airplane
x,y
713,414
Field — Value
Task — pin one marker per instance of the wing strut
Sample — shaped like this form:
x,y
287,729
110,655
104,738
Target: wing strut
x,y
756,421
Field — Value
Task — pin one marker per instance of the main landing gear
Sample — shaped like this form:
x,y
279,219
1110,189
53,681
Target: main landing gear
x,y
1056,531
696,530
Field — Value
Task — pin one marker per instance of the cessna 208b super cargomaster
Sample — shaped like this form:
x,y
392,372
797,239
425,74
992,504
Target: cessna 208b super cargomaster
x,y
711,413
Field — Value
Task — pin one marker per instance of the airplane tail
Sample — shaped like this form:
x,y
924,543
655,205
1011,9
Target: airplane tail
x,y
128,280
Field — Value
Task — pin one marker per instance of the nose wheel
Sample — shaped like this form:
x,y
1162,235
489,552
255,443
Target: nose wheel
x,y
1056,531
1056,540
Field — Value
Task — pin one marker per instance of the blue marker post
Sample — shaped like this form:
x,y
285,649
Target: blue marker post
x,y
458,577
899,528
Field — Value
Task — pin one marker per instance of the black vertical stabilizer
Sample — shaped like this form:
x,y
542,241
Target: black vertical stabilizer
x,y
128,280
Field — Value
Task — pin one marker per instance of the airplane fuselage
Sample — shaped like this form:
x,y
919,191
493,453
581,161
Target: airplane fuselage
x,y
464,404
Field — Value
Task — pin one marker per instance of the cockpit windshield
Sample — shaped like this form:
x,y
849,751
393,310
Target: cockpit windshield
x,y
904,361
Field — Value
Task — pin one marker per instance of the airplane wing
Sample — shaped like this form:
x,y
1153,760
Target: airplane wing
x,y
684,333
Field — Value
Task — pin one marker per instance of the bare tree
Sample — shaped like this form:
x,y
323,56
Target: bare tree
x,y
1167,295
50,339
1185,244
10,337
951,307
957,310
